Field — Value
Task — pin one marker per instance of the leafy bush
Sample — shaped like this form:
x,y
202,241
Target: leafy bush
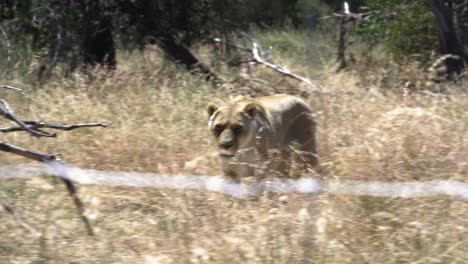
x,y
404,27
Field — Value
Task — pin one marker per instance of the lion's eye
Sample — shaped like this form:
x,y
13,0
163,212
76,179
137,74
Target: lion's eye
x,y
237,129
218,129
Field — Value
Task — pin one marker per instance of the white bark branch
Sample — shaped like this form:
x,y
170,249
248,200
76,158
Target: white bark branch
x,y
258,56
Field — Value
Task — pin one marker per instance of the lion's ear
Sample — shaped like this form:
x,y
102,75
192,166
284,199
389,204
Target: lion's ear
x,y
250,109
212,107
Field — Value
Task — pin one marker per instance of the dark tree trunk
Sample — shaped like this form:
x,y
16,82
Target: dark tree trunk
x,y
180,54
449,38
341,57
146,16
97,42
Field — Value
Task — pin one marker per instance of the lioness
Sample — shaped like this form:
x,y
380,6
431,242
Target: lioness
x,y
248,130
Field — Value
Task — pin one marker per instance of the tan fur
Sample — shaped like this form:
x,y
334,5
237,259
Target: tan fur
x,y
260,134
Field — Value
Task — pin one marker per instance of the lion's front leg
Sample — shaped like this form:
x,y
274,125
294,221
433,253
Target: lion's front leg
x,y
235,170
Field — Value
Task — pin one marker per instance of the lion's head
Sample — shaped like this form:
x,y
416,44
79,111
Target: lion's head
x,y
234,125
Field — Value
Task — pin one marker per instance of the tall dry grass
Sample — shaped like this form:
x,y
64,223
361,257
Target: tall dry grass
x,y
370,128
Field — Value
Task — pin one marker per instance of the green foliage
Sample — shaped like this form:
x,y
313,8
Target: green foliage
x,y
404,27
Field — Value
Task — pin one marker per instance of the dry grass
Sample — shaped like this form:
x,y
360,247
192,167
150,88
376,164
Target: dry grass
x,y
158,122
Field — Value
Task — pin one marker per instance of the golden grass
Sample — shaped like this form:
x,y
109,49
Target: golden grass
x,y
157,123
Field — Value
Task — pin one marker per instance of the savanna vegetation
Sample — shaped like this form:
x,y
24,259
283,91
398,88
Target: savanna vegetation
x,y
393,114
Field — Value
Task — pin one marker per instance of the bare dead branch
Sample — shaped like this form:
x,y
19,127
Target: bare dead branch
x,y
18,219
35,125
18,90
33,128
347,17
258,56
79,205
52,160
6,112
29,154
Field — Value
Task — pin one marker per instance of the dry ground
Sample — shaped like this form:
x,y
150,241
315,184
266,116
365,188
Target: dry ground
x,y
157,122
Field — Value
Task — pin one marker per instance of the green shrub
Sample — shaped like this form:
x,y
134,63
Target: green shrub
x,y
404,27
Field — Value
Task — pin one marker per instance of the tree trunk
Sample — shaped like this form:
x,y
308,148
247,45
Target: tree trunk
x,y
146,16
97,45
449,39
182,55
341,57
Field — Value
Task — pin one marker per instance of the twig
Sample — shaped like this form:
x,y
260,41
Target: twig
x,y
35,125
18,219
78,204
18,90
6,112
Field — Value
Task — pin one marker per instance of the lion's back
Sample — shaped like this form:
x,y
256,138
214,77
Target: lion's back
x,y
288,115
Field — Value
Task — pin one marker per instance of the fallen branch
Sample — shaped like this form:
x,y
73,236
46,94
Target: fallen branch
x,y
258,56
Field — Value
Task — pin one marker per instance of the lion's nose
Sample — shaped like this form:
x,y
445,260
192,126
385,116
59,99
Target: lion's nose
x,y
226,144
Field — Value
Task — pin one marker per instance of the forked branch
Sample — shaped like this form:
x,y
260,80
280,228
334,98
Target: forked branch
x,y
34,129
6,112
